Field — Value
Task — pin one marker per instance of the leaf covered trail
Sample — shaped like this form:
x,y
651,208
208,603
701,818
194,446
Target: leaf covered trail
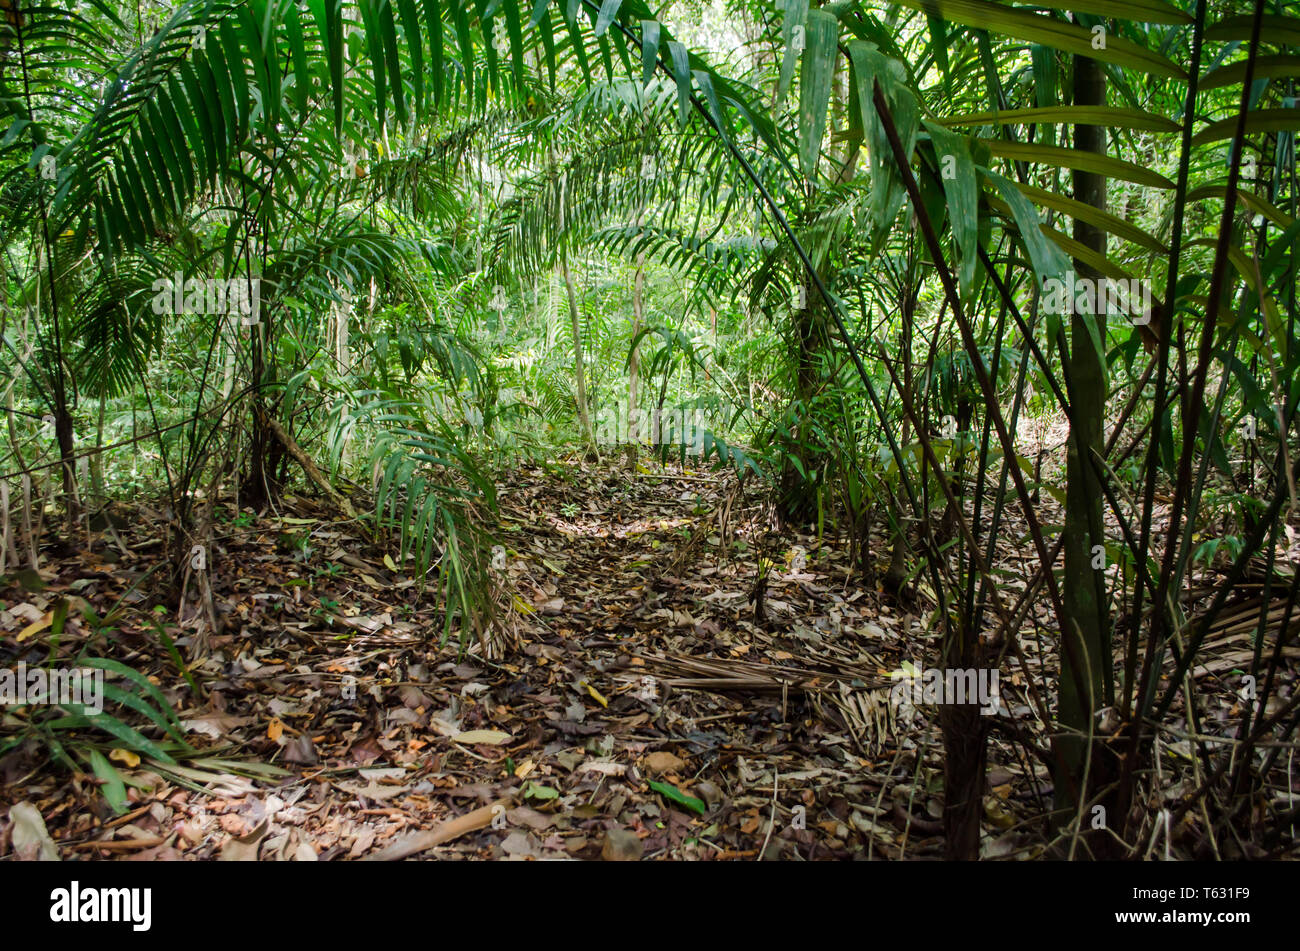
x,y
646,709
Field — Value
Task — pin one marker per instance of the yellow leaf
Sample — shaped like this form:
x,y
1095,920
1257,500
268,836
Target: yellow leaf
x,y
126,757
274,729
389,563
595,695
36,626
996,815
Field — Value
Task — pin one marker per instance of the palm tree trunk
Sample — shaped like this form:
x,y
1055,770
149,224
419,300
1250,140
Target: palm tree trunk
x,y
1085,649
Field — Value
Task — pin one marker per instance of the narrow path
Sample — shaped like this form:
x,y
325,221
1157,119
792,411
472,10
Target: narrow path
x,y
646,712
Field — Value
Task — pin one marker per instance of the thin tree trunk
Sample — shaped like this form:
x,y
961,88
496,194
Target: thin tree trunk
x,y
634,361
67,452
309,468
798,495
264,455
230,358
97,458
1085,655
579,371
257,487
897,572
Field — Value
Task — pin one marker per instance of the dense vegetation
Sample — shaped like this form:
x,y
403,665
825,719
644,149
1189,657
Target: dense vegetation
x,y
1001,297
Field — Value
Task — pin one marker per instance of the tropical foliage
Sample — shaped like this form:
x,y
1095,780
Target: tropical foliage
x,y
865,246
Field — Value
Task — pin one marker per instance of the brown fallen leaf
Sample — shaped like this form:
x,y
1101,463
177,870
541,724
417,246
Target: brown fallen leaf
x,y
663,762
621,845
519,843
214,724
301,750
244,848
538,821
29,836
362,843
472,821
374,790
486,737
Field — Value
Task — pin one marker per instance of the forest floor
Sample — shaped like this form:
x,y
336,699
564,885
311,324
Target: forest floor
x,y
648,706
